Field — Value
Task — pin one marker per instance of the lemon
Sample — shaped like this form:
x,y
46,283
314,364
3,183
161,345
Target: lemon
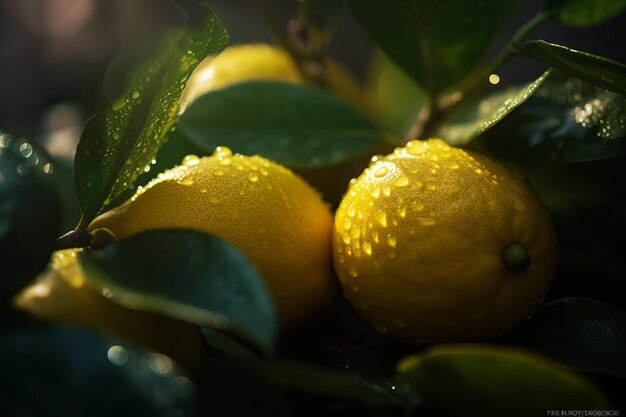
x,y
249,62
62,294
433,243
276,219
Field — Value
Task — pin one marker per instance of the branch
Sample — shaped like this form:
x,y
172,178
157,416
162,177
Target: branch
x,y
430,119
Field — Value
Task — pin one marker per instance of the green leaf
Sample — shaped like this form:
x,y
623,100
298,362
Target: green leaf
x,y
430,39
487,380
189,275
72,372
121,140
598,71
30,213
393,392
585,334
586,12
480,116
294,125
565,120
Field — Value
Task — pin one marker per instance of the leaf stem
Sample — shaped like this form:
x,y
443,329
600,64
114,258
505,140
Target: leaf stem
x,y
77,238
430,119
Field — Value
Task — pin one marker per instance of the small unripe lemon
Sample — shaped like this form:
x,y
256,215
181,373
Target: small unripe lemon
x,y
62,294
433,243
275,218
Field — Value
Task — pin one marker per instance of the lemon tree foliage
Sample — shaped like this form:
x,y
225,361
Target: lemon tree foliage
x,y
412,33
120,141
199,278
480,115
595,70
566,120
30,213
233,264
316,128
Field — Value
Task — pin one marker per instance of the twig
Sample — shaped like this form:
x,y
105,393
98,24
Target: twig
x,y
431,118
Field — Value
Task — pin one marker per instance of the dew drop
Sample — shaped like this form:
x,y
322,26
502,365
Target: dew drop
x,y
401,182
222,151
381,218
355,232
191,160
186,181
426,221
352,271
431,186
416,147
402,212
381,172
218,173
376,192
391,240
346,238
367,247
386,190
453,165
253,177
135,94
48,168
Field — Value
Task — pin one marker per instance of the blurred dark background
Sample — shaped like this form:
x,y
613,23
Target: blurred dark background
x,y
54,53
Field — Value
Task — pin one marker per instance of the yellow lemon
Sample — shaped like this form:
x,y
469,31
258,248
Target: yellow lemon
x,y
433,243
248,62
276,219
61,293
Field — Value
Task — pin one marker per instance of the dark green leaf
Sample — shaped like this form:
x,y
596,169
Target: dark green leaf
x,y
436,42
120,141
587,335
392,392
487,380
72,372
480,116
188,275
294,125
586,12
565,120
30,213
598,71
